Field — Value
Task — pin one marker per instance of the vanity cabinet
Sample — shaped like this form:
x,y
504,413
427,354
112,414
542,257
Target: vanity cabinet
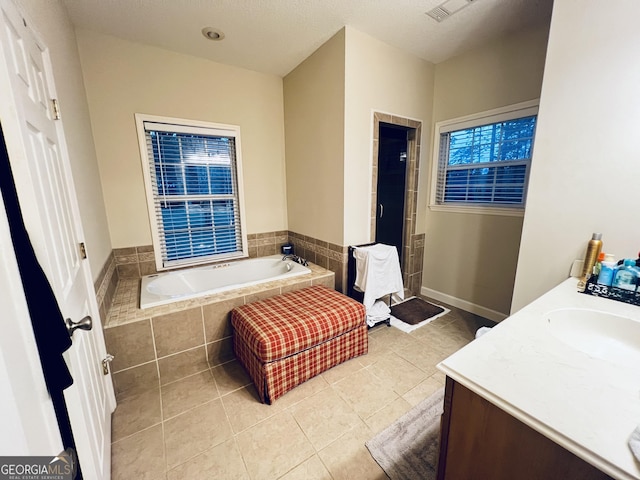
x,y
480,441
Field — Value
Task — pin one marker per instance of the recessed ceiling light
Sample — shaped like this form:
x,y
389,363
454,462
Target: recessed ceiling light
x,y
212,34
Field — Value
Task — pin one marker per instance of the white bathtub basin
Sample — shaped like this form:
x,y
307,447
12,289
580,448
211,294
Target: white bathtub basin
x,y
602,335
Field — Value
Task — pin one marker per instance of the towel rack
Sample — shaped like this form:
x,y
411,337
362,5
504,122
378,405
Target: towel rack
x,y
351,278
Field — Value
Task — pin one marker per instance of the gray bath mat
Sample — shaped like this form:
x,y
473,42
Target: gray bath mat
x,y
408,448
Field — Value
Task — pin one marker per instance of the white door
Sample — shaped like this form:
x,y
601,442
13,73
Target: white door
x,y
41,168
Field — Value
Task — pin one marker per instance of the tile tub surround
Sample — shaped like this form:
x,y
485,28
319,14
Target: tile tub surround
x,y
135,262
268,243
138,261
328,255
163,344
105,286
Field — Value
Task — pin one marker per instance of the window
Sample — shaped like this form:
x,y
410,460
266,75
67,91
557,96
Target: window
x,y
193,180
481,162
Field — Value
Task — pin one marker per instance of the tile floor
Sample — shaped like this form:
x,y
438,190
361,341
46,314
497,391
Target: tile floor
x,y
211,425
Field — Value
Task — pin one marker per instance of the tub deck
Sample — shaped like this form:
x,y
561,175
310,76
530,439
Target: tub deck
x,y
125,307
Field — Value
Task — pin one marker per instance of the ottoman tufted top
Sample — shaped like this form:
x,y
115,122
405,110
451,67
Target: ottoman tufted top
x,y
293,322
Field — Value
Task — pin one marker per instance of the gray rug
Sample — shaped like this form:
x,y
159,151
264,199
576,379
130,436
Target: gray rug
x,y
408,448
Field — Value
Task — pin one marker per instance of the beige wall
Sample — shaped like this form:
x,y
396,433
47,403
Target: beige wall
x,y
314,96
123,78
585,168
51,22
379,78
472,257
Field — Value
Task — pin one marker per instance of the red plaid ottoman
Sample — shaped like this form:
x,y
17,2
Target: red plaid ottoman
x,y
287,339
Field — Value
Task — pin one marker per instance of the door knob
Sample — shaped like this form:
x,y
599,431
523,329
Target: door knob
x,y
85,324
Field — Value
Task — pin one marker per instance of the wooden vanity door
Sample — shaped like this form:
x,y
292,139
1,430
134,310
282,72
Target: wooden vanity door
x,y
479,441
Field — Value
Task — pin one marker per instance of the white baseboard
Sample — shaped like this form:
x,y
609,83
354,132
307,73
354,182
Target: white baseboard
x,y
464,305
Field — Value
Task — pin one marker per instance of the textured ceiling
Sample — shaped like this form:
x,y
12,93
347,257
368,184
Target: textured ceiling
x,y
274,36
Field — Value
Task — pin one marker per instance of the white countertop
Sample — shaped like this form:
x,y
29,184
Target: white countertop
x,y
587,405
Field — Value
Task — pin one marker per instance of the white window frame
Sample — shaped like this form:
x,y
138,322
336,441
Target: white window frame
x,y
510,112
181,125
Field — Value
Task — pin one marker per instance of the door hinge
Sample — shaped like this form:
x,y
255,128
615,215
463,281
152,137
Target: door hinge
x,y
56,108
105,363
83,250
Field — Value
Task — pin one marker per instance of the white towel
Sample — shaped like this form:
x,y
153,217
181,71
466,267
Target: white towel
x,y
634,442
379,312
377,272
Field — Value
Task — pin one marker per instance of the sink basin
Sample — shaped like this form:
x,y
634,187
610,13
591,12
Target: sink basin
x,y
599,334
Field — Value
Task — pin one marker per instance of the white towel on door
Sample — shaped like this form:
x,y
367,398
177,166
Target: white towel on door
x,y
378,272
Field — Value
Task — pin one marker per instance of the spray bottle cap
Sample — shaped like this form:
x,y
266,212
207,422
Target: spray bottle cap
x,y
629,262
596,236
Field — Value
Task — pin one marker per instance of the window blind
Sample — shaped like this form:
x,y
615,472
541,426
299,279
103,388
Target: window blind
x,y
194,178
486,164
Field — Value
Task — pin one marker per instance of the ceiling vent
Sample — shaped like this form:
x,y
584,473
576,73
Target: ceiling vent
x,y
448,8
438,14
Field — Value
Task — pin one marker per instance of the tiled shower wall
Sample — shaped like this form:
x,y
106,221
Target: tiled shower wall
x,y
412,243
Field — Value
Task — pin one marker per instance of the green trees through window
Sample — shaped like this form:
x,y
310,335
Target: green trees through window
x,y
486,164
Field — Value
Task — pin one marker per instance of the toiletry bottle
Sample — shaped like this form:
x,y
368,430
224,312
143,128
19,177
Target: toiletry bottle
x,y
598,265
626,277
607,270
593,250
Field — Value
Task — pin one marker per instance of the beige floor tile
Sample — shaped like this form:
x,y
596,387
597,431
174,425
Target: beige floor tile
x,y
312,469
347,458
180,396
451,343
230,376
183,364
395,339
277,441
135,412
377,349
398,373
195,431
423,390
343,370
324,417
221,462
440,377
137,379
273,447
439,340
365,393
423,356
245,409
389,414
302,391
140,456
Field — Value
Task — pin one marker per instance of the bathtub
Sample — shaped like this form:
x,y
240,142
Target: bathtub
x,y
169,287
